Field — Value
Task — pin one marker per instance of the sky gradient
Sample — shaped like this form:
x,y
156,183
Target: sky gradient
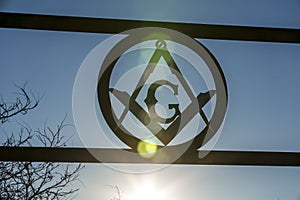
x,y
262,80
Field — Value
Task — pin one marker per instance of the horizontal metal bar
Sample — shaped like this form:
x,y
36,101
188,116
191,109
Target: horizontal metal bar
x,y
114,26
83,155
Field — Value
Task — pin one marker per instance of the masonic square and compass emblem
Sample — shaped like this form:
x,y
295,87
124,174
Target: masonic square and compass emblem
x,y
156,94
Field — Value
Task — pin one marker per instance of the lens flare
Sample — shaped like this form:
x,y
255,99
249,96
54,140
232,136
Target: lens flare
x,y
160,35
146,149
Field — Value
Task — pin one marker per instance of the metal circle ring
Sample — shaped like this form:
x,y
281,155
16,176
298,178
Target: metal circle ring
x,y
139,35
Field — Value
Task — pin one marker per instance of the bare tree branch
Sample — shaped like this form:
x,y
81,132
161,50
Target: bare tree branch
x,y
23,103
32,180
118,192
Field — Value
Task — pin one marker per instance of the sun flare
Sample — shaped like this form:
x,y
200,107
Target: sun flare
x,y
148,191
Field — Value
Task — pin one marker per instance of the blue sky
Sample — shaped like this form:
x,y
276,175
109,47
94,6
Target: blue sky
x,y
262,78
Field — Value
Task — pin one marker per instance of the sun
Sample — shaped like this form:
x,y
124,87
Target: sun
x,y
148,191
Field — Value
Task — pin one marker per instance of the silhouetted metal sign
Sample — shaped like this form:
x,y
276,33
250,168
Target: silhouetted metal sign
x,y
115,26
162,93
117,155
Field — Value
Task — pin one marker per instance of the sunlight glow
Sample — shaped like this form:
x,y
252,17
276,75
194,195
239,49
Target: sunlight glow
x,y
147,191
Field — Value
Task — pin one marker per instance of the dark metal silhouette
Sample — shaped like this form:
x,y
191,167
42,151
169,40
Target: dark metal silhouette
x,y
83,155
151,101
115,26
149,118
